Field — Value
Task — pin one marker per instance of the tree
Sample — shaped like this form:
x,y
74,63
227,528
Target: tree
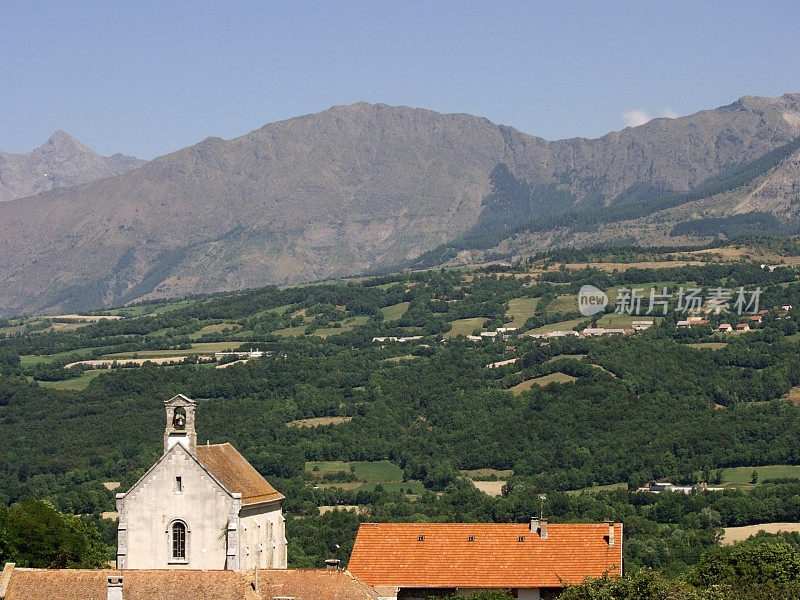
x,y
34,534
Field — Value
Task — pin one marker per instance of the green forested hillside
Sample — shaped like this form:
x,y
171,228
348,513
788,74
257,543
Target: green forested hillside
x,y
328,410
514,206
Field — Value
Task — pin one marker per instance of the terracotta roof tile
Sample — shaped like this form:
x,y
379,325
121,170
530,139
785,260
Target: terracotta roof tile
x,y
73,584
236,474
393,554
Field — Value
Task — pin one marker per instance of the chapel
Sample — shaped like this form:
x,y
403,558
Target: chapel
x,y
199,507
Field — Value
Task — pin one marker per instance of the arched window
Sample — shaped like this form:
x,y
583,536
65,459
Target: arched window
x,y
178,541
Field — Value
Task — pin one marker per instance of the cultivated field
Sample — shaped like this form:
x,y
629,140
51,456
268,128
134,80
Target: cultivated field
x,y
542,381
465,326
561,326
75,384
742,475
731,535
378,471
490,488
107,363
793,395
520,310
395,311
599,488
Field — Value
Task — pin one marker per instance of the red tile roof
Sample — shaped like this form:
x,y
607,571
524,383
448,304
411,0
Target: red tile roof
x,y
393,554
232,469
74,584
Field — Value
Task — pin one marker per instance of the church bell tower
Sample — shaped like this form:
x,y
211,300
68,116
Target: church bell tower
x,y
180,423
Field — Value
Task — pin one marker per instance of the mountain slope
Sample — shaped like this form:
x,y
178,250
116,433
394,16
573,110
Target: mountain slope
x,y
336,193
61,161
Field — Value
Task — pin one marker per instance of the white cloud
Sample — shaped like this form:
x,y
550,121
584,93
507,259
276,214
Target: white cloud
x,y
634,118
670,114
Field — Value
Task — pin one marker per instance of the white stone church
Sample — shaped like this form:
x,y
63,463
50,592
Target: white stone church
x,y
199,507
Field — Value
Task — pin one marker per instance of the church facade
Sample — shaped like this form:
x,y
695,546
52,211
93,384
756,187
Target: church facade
x,y
199,507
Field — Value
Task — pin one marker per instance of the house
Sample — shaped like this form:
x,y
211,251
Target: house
x,y
742,327
84,584
697,321
240,355
642,325
199,507
413,560
683,324
656,487
724,328
757,318
593,331
786,307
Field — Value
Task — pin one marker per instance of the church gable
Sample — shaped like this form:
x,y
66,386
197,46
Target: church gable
x,y
176,516
176,459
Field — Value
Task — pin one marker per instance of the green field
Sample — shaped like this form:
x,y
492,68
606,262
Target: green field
x,y
368,472
26,360
465,326
565,304
742,475
520,310
572,356
617,321
561,326
544,380
395,311
78,383
218,328
600,488
347,325
291,331
277,310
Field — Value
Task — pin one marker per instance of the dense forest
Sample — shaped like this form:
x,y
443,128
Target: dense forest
x,y
671,403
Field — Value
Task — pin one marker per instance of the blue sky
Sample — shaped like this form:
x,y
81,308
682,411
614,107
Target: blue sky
x,y
146,78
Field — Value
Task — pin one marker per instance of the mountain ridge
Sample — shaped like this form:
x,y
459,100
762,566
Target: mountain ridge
x,y
61,161
337,193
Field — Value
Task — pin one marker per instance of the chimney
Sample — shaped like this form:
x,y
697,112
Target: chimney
x,y
332,564
114,587
534,525
611,541
543,529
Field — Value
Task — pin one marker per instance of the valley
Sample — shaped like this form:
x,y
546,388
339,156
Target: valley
x,y
369,397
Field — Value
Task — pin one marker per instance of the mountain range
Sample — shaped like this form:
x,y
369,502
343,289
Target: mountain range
x,y
364,187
